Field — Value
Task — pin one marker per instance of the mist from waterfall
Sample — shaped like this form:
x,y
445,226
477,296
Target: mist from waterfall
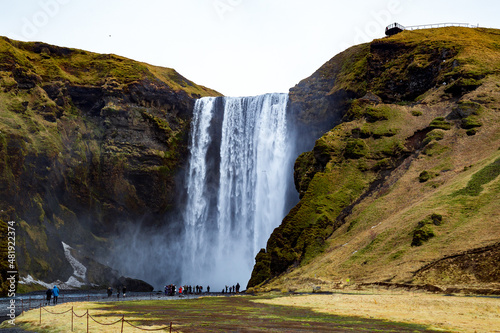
x,y
239,170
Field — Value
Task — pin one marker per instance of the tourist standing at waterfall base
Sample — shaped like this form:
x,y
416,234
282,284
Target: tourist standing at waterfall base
x,y
55,292
49,296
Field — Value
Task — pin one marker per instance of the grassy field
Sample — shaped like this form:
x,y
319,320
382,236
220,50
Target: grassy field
x,y
219,314
440,312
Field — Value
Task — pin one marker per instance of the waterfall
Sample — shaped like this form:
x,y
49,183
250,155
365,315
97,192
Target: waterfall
x,y
239,169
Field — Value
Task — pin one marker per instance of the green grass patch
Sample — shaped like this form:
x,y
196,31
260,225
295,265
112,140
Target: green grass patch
x,y
434,135
385,147
471,132
426,176
471,122
482,177
422,232
440,123
435,149
355,148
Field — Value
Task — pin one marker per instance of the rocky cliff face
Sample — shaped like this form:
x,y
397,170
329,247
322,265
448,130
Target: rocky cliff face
x,y
409,120
87,142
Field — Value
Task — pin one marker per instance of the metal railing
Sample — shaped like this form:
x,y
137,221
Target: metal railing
x,y
439,25
32,302
395,25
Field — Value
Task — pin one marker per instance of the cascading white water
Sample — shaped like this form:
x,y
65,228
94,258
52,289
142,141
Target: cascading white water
x,y
239,170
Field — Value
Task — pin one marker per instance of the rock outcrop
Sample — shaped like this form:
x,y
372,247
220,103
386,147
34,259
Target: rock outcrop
x,y
87,142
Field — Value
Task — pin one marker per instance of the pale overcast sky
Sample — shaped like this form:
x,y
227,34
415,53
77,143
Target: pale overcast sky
x,y
238,47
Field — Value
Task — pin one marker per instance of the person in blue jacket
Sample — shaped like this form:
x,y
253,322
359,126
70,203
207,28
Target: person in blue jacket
x,y
55,293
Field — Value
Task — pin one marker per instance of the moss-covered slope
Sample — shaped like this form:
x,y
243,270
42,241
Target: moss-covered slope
x,y
87,141
409,172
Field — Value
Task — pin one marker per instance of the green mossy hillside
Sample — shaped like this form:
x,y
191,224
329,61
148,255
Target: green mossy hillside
x,y
34,62
401,154
87,142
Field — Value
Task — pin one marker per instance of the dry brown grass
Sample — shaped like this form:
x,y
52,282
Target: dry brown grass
x,y
458,314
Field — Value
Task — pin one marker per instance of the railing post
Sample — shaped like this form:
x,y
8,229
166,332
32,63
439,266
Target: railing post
x,y
123,320
170,327
71,319
87,320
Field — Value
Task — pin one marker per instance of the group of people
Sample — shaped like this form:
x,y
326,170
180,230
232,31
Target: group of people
x,y
122,289
232,289
171,289
52,293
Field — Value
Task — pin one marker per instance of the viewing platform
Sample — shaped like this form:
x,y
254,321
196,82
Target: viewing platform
x,y
395,28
